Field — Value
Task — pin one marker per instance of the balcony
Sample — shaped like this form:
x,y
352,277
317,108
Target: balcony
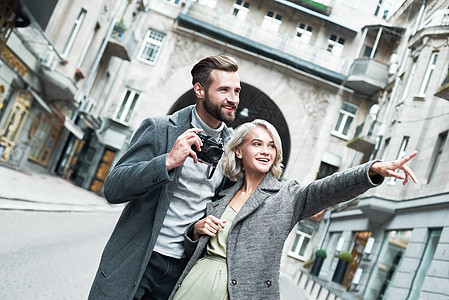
x,y
367,76
363,140
122,42
251,36
443,91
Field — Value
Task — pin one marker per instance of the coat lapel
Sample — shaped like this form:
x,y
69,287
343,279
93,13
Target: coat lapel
x,y
266,188
179,123
217,207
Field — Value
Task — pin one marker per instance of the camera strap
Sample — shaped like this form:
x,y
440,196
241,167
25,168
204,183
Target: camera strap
x,y
211,172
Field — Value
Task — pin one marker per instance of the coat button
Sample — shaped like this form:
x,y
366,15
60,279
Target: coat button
x,y
233,282
268,283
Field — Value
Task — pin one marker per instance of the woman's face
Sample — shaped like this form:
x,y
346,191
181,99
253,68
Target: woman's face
x,y
258,151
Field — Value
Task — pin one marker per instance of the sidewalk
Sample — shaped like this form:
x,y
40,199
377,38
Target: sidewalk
x,y
24,191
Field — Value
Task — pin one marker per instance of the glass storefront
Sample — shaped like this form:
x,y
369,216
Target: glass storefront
x,y
390,256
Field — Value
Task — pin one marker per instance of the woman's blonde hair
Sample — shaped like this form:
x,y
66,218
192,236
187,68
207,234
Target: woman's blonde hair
x,y
233,167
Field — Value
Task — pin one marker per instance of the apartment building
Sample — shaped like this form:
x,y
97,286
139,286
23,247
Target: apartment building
x,y
51,55
398,235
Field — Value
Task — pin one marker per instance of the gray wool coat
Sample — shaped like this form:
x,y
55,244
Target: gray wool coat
x,y
140,177
260,228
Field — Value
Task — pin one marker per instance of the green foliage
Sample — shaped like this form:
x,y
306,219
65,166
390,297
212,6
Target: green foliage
x,y
308,264
120,26
321,253
346,256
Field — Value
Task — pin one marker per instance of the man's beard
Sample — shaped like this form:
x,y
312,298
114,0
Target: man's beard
x,y
215,111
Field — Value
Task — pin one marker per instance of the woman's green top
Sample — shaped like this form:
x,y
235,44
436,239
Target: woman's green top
x,y
209,276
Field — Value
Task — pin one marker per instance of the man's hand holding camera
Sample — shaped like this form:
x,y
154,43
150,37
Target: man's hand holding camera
x,y
183,148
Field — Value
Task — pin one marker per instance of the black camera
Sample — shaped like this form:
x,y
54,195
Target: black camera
x,y
211,151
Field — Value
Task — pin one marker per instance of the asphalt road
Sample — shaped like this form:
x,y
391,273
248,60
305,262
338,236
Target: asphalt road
x,y
49,255
54,255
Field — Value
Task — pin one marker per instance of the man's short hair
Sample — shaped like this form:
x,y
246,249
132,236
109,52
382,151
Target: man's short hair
x,y
201,71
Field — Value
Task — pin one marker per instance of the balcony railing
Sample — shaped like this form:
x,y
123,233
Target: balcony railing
x,y
252,31
122,42
367,76
363,140
443,91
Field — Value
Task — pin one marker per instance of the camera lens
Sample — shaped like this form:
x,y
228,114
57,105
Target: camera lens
x,y
213,154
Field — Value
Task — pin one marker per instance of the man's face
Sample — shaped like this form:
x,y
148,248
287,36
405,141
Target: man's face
x,y
222,98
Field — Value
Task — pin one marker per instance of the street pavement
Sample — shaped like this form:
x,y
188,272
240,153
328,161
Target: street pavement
x,y
22,191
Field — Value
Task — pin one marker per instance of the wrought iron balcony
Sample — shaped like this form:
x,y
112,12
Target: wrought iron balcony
x,y
257,38
443,91
121,43
367,76
363,140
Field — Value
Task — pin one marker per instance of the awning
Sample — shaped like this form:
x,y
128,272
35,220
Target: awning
x,y
113,139
73,128
57,86
40,101
352,31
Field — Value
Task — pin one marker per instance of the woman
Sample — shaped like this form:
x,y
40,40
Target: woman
x,y
244,232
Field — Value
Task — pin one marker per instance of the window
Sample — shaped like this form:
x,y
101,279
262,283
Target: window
x,y
335,44
240,9
124,111
393,248
368,50
383,9
73,33
304,32
345,119
151,46
401,154
272,21
303,235
426,260
437,155
428,75
326,170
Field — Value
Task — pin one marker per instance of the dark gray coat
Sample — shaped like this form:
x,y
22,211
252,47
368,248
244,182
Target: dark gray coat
x,y
259,230
139,178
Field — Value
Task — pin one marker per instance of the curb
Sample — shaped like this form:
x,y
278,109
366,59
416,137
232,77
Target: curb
x,y
27,205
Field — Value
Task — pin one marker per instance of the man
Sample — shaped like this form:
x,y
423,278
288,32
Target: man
x,y
166,188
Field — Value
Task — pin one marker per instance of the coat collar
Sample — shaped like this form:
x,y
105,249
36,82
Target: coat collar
x,y
266,188
180,121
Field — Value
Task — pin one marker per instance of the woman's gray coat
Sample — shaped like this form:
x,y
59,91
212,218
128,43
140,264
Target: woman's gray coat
x,y
139,178
258,232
